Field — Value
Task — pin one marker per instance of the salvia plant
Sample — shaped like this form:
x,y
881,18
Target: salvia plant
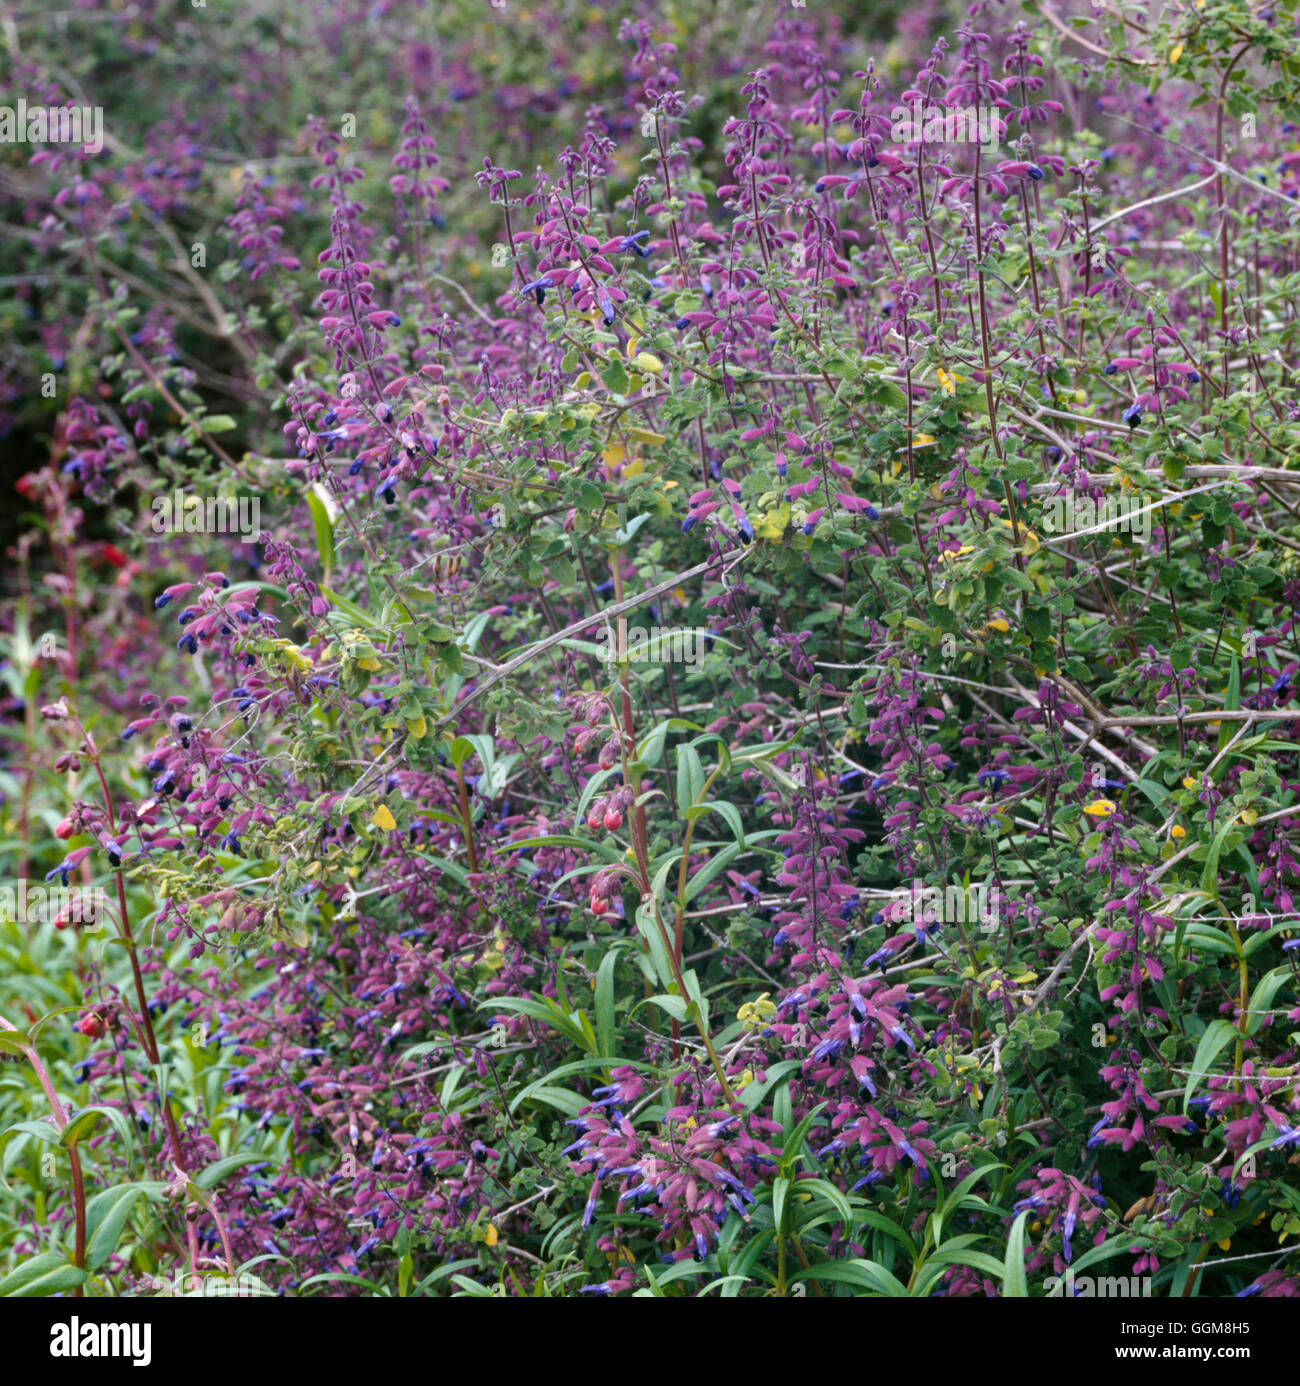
x,y
650,648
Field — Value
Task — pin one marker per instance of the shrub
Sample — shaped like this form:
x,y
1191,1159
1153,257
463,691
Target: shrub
x,y
671,646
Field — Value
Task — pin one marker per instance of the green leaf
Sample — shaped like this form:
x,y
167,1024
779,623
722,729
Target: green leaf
x,y
824,1190
80,1126
964,1256
106,1215
1210,875
42,1130
324,527
676,1006
690,775
562,1099
728,811
549,1013
47,1274
1217,1034
648,927
859,1271
780,1193
117,1118
1231,703
615,377
1269,986
214,1173
350,609
606,1035
1014,1284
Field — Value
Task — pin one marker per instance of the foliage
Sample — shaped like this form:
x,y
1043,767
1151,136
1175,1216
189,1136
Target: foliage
x,y
742,741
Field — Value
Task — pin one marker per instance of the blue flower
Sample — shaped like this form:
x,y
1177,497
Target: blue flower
x,y
632,243
538,288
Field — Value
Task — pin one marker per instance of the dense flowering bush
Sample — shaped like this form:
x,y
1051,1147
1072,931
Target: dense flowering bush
x,y
664,639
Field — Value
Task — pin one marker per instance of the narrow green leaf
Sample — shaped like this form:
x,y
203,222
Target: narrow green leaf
x,y
1217,1034
106,1215
47,1274
1014,1284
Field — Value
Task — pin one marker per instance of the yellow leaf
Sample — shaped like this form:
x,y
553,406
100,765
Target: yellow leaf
x,y
370,664
1175,53
417,728
645,435
612,456
1177,831
1099,808
647,364
383,819
634,468
492,1236
774,522
998,624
